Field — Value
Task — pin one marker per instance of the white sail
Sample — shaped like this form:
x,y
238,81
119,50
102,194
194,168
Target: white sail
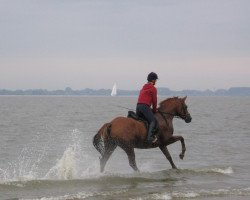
x,y
114,90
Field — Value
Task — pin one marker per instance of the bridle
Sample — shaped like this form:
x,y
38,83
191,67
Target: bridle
x,y
166,113
163,114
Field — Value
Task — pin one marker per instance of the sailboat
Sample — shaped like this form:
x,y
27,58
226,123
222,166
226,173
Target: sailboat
x,y
114,90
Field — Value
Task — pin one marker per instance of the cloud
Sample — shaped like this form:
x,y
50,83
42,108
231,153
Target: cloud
x,y
54,43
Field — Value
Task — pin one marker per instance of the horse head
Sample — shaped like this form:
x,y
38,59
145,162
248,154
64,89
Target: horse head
x,y
177,107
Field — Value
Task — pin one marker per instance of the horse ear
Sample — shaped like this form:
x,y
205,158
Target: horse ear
x,y
184,99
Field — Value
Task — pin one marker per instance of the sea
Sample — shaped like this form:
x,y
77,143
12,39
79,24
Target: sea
x,y
46,151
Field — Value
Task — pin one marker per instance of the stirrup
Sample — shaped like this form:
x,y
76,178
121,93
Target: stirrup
x,y
152,139
155,139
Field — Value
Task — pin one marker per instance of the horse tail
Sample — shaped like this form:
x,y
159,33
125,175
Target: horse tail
x,y
102,135
98,144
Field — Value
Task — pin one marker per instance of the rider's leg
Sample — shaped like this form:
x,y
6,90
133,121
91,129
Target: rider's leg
x,y
151,129
145,111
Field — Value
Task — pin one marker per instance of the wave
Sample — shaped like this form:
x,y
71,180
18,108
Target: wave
x,y
156,196
202,193
75,164
66,177
81,195
214,170
75,169
65,172
228,170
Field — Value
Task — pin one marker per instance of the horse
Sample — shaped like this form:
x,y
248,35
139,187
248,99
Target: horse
x,y
129,133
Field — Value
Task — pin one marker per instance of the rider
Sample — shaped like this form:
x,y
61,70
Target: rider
x,y
148,97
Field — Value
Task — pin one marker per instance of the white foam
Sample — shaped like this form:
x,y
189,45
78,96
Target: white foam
x,y
185,195
228,170
240,191
80,195
201,193
65,197
162,196
169,196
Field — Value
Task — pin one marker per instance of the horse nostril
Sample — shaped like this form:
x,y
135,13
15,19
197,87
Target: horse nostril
x,y
188,119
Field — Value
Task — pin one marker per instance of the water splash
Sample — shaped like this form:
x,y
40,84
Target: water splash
x,y
73,163
65,167
73,160
26,167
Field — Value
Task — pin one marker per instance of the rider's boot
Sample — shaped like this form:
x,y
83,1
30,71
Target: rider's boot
x,y
151,138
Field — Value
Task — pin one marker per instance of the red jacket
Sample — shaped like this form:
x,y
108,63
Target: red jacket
x,y
148,95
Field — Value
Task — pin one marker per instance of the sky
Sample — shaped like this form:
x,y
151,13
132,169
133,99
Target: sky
x,y
190,44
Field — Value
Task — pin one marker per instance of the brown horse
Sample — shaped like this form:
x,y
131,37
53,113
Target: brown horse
x,y
129,133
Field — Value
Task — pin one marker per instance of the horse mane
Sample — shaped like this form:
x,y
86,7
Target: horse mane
x,y
168,99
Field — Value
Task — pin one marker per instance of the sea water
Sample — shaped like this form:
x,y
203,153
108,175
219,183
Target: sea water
x,y
46,151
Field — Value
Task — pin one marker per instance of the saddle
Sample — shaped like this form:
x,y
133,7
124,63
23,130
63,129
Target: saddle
x,y
133,115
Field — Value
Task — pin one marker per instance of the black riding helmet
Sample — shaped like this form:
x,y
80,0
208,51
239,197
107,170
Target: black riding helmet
x,y
152,76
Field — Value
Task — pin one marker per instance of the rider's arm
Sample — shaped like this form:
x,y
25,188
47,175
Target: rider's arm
x,y
154,93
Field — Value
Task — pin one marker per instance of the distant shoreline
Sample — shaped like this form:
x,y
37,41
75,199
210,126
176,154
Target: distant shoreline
x,y
233,91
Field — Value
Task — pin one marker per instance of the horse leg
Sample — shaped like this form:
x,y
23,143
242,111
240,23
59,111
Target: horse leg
x,y
131,157
165,151
109,149
176,138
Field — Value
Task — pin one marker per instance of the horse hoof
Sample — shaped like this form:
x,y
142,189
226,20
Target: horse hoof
x,y
181,156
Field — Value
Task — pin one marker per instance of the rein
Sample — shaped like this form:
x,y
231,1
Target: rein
x,y
163,114
166,113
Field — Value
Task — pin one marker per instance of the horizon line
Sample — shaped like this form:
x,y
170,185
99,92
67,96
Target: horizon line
x,y
70,89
